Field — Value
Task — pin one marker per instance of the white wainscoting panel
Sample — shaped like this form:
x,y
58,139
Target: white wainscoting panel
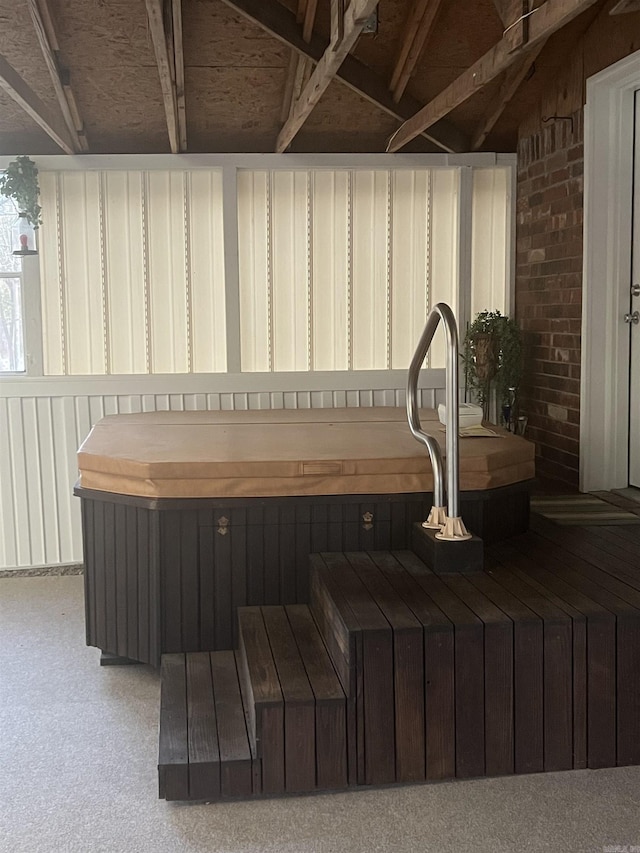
x,y
40,434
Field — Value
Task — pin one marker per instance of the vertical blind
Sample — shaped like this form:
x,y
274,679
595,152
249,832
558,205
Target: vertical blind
x,y
132,272
337,268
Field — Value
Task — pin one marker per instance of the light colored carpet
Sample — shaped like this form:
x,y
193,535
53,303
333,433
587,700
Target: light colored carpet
x,y
78,752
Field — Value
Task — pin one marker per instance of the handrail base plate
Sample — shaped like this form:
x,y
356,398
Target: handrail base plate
x,y
444,556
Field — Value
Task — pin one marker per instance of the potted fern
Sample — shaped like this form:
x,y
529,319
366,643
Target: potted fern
x,y
19,182
493,363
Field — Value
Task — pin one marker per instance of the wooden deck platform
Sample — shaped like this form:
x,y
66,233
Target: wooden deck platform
x,y
395,674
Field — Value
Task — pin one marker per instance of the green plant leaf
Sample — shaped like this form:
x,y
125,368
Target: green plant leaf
x,y
19,182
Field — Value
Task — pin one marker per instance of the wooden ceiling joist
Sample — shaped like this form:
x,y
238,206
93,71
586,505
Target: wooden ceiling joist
x,y
625,6
164,61
289,84
45,33
311,7
505,10
278,21
546,19
514,78
416,32
178,65
300,66
355,18
14,85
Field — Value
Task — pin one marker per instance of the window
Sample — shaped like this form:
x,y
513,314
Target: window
x,y
338,269
314,269
132,267
11,325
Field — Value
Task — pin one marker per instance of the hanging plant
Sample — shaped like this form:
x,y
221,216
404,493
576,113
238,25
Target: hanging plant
x,y
493,361
19,182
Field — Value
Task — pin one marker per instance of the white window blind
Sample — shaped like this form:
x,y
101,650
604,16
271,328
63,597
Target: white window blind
x,y
338,268
132,268
491,251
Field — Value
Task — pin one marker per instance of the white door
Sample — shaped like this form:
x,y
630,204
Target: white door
x,y
633,318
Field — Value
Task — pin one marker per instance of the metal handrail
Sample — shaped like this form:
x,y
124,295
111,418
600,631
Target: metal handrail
x,y
449,521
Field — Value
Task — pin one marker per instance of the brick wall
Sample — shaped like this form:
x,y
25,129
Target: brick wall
x,y
549,291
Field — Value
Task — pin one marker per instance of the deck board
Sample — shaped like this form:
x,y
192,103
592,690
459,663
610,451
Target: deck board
x,y
396,674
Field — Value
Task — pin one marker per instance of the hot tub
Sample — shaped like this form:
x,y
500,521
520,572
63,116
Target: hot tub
x,y
189,515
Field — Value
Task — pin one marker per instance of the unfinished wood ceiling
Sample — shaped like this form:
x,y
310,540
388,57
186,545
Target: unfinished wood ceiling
x,y
135,76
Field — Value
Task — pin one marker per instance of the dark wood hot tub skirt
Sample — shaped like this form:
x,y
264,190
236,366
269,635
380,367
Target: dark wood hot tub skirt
x,y
167,575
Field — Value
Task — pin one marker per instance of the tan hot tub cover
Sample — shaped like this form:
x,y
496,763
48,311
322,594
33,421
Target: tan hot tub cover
x,y
266,453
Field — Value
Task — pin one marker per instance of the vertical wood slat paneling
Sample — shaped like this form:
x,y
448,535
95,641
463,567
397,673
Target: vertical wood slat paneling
x,y
39,436
132,271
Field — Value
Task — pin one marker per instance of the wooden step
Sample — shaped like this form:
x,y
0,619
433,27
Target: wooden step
x,y
376,642
427,665
297,717
394,673
205,752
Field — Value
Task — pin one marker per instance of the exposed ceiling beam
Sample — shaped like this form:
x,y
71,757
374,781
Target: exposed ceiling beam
x,y
299,69
546,19
45,32
355,18
178,55
297,80
514,78
14,85
279,22
504,8
417,29
625,6
164,63
289,84
514,15
309,19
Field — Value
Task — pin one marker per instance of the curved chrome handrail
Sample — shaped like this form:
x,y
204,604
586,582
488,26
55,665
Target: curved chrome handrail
x,y
449,521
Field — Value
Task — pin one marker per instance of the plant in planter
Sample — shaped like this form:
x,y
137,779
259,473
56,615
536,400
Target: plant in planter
x,y
19,182
493,363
